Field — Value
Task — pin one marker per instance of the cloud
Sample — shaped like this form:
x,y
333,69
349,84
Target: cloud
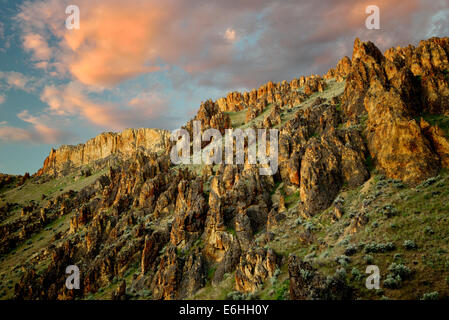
x,y
2,98
72,100
117,42
38,129
277,40
12,79
42,131
230,35
5,42
38,133
13,134
36,44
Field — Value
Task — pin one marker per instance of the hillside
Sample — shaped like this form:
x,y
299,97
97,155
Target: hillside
x,y
363,180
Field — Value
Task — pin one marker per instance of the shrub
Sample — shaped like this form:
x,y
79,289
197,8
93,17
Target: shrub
x,y
351,250
343,260
341,273
379,247
388,210
393,282
380,184
398,184
428,182
234,295
400,270
344,242
309,226
428,230
430,296
368,259
356,274
306,274
339,200
410,245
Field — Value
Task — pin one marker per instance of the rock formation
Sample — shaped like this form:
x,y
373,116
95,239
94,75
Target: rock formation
x,y
104,145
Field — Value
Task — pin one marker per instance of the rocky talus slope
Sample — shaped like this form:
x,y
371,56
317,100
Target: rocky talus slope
x,y
362,179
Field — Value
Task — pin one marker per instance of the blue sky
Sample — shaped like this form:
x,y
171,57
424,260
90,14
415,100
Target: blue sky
x,y
149,63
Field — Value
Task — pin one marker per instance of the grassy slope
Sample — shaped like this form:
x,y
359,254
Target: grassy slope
x,y
10,264
420,215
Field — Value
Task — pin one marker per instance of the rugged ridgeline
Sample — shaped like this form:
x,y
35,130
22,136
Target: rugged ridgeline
x,y
349,143
212,114
122,144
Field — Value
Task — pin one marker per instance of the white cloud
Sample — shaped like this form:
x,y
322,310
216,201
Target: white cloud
x,y
2,98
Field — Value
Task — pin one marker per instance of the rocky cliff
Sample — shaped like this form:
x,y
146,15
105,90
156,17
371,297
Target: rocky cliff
x,y
104,145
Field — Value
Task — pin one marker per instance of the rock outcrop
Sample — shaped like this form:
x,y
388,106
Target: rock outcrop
x,y
254,268
307,284
392,90
106,144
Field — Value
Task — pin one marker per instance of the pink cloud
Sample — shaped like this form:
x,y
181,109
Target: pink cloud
x,y
117,42
230,35
39,132
9,134
17,80
70,100
37,44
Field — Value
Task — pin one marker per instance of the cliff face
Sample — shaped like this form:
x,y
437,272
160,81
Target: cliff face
x,y
104,145
282,93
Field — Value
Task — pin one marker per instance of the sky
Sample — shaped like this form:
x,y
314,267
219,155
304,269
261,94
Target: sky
x,y
150,63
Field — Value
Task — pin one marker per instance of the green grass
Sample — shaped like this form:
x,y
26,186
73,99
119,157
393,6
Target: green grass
x,y
420,216
291,200
238,118
231,231
32,191
441,121
217,291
